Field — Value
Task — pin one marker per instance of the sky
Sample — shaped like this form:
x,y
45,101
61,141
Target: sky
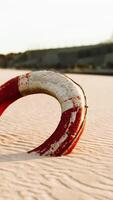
x,y
38,24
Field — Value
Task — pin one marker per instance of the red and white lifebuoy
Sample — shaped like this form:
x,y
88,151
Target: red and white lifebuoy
x,y
71,98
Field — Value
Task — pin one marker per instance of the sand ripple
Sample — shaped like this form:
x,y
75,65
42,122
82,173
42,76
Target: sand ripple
x,y
85,174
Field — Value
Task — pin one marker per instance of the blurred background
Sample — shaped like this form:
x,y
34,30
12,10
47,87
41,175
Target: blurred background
x,y
72,36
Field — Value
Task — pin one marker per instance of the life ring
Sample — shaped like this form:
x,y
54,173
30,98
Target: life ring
x,y
71,98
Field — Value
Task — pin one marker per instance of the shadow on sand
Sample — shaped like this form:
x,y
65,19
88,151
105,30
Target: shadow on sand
x,y
19,157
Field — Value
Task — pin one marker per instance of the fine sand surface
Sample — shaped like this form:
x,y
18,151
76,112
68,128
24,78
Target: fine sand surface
x,y
85,174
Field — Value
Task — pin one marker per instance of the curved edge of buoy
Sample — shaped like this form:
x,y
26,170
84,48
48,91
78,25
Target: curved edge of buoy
x,y
71,98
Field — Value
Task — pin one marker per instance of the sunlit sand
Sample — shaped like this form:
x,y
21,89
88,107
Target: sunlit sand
x,y
85,174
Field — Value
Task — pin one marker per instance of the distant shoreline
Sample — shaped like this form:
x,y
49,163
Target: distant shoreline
x,y
85,72
93,59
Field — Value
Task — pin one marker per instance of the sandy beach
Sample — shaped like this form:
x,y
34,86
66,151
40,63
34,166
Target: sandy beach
x,y
85,174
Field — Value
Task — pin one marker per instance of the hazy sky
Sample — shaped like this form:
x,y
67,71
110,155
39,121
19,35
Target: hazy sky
x,y
32,24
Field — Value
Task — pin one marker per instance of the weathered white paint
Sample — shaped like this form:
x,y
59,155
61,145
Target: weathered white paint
x,y
73,117
54,84
23,85
56,145
66,105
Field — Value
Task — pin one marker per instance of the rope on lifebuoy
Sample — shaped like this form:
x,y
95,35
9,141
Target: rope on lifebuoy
x,y
71,98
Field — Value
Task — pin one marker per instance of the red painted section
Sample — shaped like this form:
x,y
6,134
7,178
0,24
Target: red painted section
x,y
75,140
61,129
73,131
65,127
8,93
